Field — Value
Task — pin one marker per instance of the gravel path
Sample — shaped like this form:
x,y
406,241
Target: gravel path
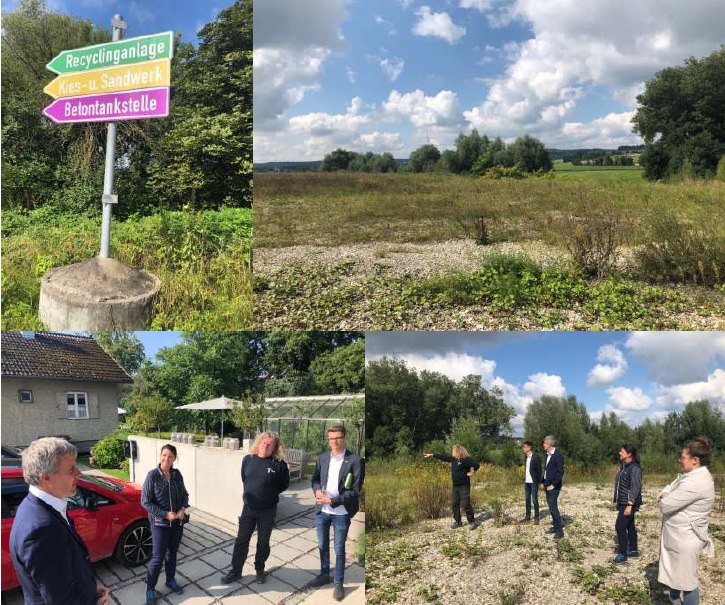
x,y
517,563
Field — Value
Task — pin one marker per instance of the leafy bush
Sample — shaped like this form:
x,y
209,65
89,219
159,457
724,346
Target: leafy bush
x,y
720,173
431,498
108,452
673,251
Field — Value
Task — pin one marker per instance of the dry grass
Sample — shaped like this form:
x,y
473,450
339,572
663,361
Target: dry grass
x,y
332,209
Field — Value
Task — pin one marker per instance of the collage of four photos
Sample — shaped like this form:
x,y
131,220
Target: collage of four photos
x,y
384,302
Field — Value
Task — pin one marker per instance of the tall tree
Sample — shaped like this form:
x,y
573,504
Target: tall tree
x,y
681,118
424,158
125,348
205,156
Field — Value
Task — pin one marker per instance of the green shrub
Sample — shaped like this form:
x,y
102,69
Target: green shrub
x,y
108,452
674,251
720,173
593,240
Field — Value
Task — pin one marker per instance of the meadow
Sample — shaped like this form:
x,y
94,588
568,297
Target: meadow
x,y
202,259
441,251
413,556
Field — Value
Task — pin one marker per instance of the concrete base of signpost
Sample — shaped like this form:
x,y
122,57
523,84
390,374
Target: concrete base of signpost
x,y
99,294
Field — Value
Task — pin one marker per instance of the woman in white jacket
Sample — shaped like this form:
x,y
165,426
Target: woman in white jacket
x,y
685,506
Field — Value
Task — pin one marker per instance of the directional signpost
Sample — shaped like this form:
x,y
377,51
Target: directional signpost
x,y
120,80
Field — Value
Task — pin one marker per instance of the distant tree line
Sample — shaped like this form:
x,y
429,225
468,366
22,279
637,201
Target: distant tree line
x,y
598,158
473,154
408,411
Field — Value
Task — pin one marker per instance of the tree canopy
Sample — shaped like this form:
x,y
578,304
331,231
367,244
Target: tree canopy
x,y
681,118
198,157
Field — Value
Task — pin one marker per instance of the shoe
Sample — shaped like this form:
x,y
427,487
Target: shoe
x,y
633,553
524,519
150,597
551,530
231,576
676,601
536,520
261,579
620,558
338,592
472,525
456,525
174,585
321,580
558,536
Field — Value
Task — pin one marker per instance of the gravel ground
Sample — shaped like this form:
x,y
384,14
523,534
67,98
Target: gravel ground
x,y
519,563
363,262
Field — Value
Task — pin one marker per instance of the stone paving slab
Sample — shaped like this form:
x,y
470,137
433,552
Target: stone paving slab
x,y
205,556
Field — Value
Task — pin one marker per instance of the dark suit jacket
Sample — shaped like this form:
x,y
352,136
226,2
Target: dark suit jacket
x,y
534,468
554,470
50,558
349,497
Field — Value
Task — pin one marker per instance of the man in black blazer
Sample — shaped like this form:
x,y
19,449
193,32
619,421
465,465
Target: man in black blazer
x,y
532,478
49,556
337,482
553,475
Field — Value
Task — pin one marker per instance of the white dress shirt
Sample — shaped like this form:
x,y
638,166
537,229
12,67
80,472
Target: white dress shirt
x,y
528,478
59,504
333,481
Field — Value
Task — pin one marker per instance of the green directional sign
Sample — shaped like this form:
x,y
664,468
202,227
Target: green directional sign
x,y
111,54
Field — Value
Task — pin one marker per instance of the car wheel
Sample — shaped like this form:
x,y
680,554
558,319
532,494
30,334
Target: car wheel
x,y
134,546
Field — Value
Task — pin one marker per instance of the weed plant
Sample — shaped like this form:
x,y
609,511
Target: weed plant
x,y
202,258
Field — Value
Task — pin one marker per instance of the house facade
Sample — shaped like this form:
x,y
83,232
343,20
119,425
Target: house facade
x,y
58,384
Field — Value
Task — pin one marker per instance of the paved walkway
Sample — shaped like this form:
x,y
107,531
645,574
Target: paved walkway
x,y
205,555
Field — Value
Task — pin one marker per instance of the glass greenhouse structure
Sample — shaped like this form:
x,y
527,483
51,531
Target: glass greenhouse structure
x,y
302,422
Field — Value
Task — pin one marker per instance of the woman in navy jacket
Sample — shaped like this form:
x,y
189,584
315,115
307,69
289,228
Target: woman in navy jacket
x,y
166,500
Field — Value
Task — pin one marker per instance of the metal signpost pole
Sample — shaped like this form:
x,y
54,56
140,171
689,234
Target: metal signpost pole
x,y
119,27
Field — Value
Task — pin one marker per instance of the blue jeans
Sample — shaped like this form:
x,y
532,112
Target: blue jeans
x,y
340,523
552,501
166,542
531,492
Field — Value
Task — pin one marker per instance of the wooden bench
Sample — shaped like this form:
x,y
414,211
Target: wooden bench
x,y
296,461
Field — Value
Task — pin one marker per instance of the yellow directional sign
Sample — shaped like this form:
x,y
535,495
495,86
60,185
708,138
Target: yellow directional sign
x,y
151,74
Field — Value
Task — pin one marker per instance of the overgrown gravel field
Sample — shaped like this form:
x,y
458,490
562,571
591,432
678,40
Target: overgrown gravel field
x,y
503,562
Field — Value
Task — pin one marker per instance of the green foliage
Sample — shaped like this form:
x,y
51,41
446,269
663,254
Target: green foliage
x,y
248,414
424,158
593,240
682,119
467,432
341,370
152,412
566,551
125,348
513,595
108,452
675,251
459,546
720,171
340,159
202,259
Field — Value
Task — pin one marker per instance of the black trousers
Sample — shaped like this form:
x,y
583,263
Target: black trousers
x,y
626,531
165,542
462,497
531,492
263,522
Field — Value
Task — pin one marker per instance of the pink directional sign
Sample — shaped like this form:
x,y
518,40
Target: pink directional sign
x,y
111,107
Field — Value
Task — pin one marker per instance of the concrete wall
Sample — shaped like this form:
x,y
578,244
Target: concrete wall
x,y
212,475
45,416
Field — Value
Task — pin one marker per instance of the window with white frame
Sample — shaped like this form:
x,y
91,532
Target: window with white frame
x,y
77,405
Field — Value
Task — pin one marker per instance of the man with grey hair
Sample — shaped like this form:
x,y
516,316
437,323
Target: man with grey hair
x,y
49,556
553,475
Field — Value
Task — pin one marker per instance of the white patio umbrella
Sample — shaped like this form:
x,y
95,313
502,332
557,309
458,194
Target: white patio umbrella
x,y
220,403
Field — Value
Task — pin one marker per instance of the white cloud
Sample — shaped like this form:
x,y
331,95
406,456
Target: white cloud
x,y
612,367
624,398
577,46
481,5
392,67
382,141
612,130
438,25
322,124
540,384
677,358
455,365
711,389
422,110
350,75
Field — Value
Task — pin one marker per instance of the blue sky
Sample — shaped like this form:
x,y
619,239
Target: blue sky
x,y
153,341
390,75
143,18
635,374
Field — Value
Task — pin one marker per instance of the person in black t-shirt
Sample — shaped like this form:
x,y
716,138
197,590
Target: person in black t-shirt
x,y
265,476
462,469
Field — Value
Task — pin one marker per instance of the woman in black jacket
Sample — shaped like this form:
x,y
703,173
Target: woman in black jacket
x,y
462,469
627,500
166,500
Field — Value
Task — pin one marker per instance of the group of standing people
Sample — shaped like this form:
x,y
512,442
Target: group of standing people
x,y
685,505
52,561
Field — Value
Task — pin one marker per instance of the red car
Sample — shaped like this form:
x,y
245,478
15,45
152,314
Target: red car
x,y
107,513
